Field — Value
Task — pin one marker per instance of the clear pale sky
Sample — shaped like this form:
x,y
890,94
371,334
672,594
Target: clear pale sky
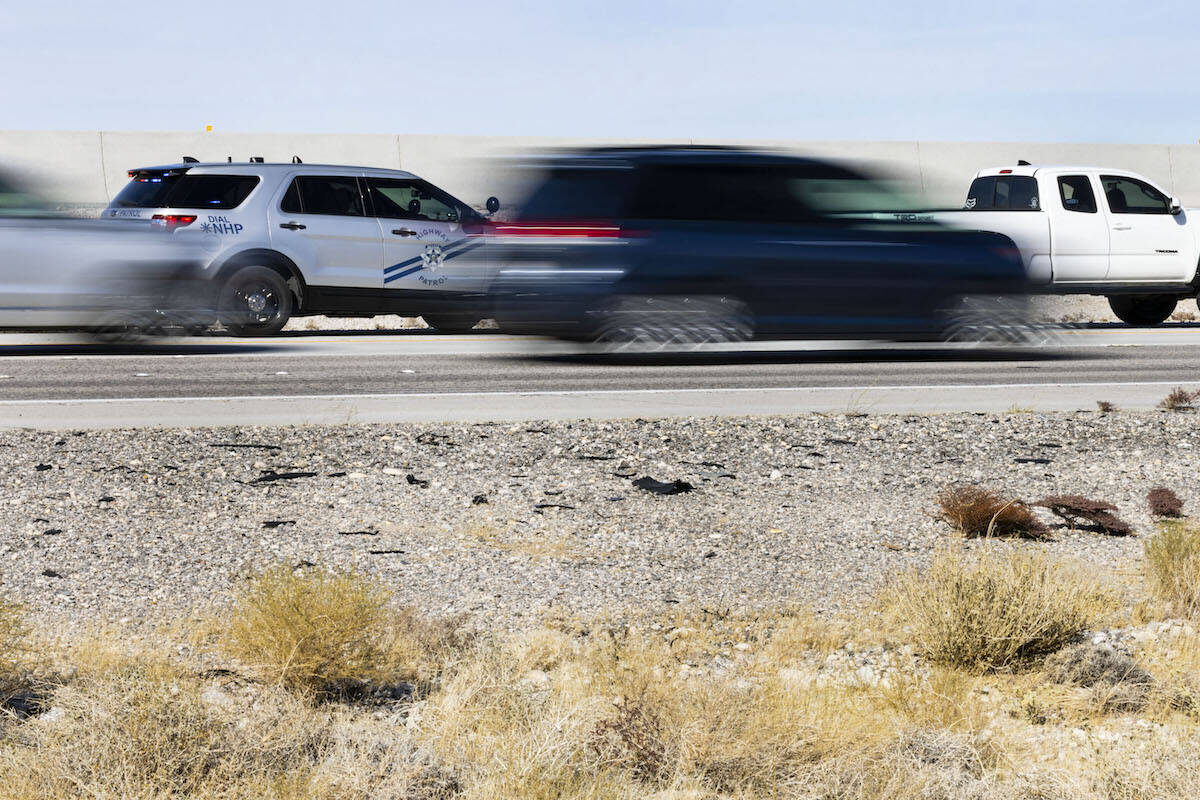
x,y
1049,70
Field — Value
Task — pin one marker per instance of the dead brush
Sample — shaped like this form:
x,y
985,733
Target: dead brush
x,y
1164,503
140,728
1105,406
14,652
1172,566
1084,512
1179,399
325,635
978,511
993,609
633,739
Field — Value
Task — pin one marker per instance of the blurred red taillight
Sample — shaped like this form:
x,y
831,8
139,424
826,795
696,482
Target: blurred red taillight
x,y
172,221
576,229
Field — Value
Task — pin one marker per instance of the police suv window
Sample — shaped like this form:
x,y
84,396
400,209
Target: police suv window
x,y
397,198
146,190
1130,196
1076,193
210,191
320,194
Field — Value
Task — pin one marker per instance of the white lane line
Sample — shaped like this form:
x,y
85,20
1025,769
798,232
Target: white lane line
x,y
599,392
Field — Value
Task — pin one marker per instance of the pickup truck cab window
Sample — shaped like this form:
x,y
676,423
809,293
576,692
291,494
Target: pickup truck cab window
x,y
1076,193
1003,193
1131,196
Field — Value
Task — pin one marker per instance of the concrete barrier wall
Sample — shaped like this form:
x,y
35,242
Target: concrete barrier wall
x,y
89,167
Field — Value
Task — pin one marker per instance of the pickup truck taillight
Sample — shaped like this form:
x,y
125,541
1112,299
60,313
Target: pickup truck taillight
x,y
172,221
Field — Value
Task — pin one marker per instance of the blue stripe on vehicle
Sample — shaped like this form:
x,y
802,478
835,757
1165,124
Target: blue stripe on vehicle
x,y
450,251
401,265
409,271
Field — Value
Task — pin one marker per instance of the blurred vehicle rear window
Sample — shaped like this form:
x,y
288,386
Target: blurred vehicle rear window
x,y
714,193
579,193
186,191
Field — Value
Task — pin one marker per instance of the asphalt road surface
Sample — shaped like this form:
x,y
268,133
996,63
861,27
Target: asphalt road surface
x,y
59,381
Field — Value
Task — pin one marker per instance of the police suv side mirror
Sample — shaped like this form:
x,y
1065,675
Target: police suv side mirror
x,y
1176,207
492,205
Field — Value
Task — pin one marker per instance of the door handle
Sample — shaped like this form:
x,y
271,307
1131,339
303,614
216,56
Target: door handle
x,y
403,232
292,226
1122,227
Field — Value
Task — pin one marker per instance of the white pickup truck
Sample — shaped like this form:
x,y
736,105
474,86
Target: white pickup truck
x,y
1090,230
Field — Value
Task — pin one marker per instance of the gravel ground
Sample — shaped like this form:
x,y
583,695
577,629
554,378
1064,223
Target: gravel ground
x,y
816,509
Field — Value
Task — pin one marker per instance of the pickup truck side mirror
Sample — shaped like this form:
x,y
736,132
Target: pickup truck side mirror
x,y
1176,207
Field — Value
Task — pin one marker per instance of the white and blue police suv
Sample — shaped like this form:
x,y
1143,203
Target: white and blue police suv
x,y
285,240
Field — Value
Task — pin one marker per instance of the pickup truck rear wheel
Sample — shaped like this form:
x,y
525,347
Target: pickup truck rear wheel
x,y
1142,310
255,301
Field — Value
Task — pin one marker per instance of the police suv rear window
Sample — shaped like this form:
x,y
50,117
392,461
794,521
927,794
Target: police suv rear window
x,y
159,190
211,191
146,191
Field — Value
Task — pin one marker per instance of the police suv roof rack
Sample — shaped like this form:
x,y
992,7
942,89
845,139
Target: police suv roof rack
x,y
256,159
296,160
190,160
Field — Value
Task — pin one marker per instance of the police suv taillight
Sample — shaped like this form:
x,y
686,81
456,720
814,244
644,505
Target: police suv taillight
x,y
172,221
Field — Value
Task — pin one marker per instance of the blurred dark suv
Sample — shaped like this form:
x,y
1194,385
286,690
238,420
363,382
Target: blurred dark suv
x,y
690,245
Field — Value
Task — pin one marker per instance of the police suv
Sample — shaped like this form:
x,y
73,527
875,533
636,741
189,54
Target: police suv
x,y
284,240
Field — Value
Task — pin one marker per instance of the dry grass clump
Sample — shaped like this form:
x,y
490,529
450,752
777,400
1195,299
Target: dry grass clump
x,y
1131,768
1173,566
328,635
142,729
1105,406
994,609
700,705
13,647
1179,399
1164,503
1077,510
977,511
1118,683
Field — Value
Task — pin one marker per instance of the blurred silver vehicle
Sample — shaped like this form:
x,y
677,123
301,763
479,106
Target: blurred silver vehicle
x,y
61,272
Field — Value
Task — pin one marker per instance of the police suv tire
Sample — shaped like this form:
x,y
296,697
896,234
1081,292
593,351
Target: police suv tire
x,y
451,323
1142,310
255,301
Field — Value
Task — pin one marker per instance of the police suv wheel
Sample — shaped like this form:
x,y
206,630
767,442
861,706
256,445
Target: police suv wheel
x,y
255,301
